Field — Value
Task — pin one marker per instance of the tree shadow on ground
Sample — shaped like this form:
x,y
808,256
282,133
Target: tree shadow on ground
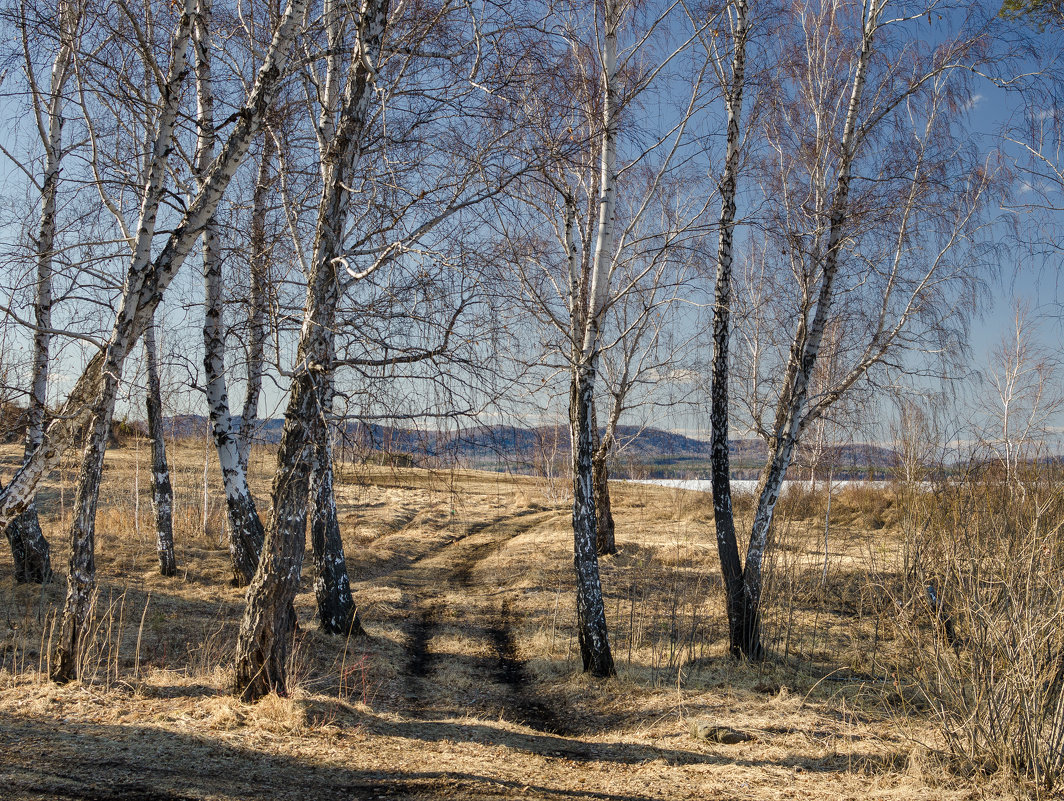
x,y
49,759
578,750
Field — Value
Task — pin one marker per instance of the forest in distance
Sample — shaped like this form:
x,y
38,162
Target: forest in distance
x,y
327,327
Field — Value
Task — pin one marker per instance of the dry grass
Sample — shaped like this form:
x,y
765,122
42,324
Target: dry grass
x,y
477,568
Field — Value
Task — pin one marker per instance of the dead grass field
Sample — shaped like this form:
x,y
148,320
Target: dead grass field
x,y
468,685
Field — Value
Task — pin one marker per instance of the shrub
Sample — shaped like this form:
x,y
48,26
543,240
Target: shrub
x,y
986,597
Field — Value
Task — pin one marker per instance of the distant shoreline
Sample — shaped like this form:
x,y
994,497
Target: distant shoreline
x,y
749,485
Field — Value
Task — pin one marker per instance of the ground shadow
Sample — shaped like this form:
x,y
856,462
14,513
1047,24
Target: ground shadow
x,y
47,759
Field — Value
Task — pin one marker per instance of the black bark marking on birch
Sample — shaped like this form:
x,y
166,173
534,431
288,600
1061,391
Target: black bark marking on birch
x,y
337,611
246,536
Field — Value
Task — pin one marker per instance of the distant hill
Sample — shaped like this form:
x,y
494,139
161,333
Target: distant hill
x,y
641,452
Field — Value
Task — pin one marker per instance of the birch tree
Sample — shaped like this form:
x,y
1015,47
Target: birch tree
x,y
94,394
268,623
582,251
867,229
28,546
243,523
409,140
587,294
733,77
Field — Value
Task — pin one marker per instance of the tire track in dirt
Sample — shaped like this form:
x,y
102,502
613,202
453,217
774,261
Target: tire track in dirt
x,y
512,672
460,572
508,671
419,658
419,634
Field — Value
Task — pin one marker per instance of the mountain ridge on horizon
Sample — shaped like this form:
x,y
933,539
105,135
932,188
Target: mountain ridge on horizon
x,y
643,452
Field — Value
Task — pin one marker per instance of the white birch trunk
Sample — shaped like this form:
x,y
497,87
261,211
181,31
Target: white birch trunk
x,y
268,624
243,523
807,340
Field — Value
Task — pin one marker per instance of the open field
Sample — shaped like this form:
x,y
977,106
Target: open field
x,y
468,685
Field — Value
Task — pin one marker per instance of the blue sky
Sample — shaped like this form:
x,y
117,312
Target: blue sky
x,y
1022,276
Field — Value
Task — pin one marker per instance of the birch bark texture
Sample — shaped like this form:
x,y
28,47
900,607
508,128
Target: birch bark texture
x,y
337,612
742,628
162,490
605,529
587,305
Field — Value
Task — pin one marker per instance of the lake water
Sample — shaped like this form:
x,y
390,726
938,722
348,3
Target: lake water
x,y
748,485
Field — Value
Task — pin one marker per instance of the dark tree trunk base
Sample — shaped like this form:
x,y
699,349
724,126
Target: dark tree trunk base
x,y
590,608
597,664
76,613
332,587
605,540
167,564
29,548
269,623
745,631
263,667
